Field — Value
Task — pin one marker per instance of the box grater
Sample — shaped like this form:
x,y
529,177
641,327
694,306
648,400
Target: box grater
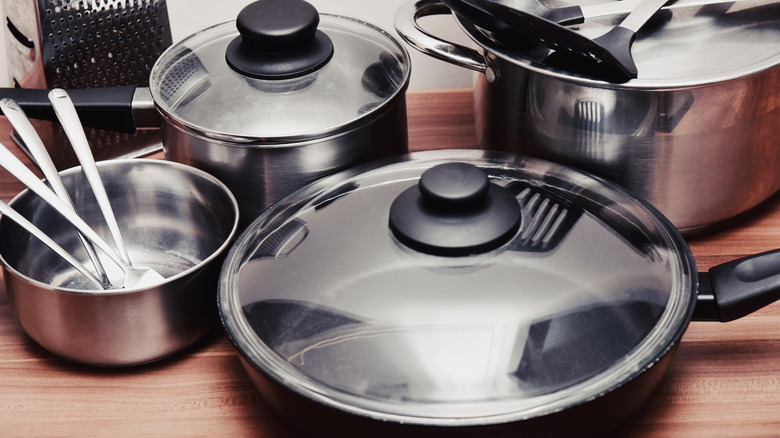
x,y
86,44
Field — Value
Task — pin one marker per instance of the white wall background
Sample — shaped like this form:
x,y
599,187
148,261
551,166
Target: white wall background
x,y
189,16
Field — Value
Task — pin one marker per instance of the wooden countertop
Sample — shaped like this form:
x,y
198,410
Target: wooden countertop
x,y
723,382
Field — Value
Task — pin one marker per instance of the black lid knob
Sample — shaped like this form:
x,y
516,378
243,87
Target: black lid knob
x,y
456,185
454,211
279,40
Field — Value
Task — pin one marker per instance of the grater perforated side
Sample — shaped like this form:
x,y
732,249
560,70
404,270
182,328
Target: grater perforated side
x,y
87,44
100,43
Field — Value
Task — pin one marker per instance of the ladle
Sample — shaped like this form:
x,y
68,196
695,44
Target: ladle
x,y
21,123
134,276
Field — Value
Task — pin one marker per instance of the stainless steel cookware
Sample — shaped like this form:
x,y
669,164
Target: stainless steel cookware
x,y
695,133
269,102
468,293
176,219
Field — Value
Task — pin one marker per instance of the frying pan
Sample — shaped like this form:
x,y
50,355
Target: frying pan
x,y
351,323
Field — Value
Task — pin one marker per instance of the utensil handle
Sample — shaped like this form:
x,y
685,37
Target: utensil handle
x,y
27,132
109,108
33,142
641,14
621,7
406,25
16,168
69,119
13,215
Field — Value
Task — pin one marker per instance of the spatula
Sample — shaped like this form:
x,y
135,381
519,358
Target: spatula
x,y
611,51
563,15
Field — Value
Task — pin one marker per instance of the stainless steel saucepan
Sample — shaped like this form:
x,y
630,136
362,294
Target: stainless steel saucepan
x,y
266,103
469,294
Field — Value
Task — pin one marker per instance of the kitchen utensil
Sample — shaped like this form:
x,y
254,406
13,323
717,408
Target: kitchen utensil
x,y
134,277
611,52
365,327
35,146
549,217
66,113
176,219
697,142
11,214
567,15
266,136
74,44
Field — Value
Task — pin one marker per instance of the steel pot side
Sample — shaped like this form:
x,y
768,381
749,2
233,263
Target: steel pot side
x,y
260,174
702,153
116,330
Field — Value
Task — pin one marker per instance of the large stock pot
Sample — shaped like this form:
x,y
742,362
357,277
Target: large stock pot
x,y
695,134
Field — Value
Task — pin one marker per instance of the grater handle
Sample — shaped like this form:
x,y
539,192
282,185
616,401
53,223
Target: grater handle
x,y
109,108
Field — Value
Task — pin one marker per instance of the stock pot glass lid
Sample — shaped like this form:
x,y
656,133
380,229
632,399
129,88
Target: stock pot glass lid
x,y
303,78
327,295
678,47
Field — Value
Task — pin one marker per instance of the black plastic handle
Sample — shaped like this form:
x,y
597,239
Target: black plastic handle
x,y
734,289
109,108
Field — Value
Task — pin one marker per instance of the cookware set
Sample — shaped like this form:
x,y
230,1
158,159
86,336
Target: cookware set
x,y
375,292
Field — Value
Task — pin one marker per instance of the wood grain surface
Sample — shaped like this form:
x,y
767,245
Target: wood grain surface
x,y
723,382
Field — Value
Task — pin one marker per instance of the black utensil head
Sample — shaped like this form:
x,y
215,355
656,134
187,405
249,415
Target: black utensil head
x,y
607,57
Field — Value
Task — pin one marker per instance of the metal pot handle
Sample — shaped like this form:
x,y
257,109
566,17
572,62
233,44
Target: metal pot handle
x,y
406,25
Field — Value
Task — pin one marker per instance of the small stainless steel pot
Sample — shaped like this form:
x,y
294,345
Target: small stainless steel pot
x,y
175,219
695,134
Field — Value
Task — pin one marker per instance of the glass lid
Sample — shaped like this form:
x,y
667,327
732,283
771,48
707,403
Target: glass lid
x,y
291,74
680,46
575,289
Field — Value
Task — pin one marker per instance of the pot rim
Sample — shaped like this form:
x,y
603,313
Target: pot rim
x,y
113,292
360,120
492,47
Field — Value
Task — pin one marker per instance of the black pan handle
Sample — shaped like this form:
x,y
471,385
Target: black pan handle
x,y
737,288
120,108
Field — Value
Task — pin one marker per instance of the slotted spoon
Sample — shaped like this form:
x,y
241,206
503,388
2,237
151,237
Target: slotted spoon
x,y
611,51
564,15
